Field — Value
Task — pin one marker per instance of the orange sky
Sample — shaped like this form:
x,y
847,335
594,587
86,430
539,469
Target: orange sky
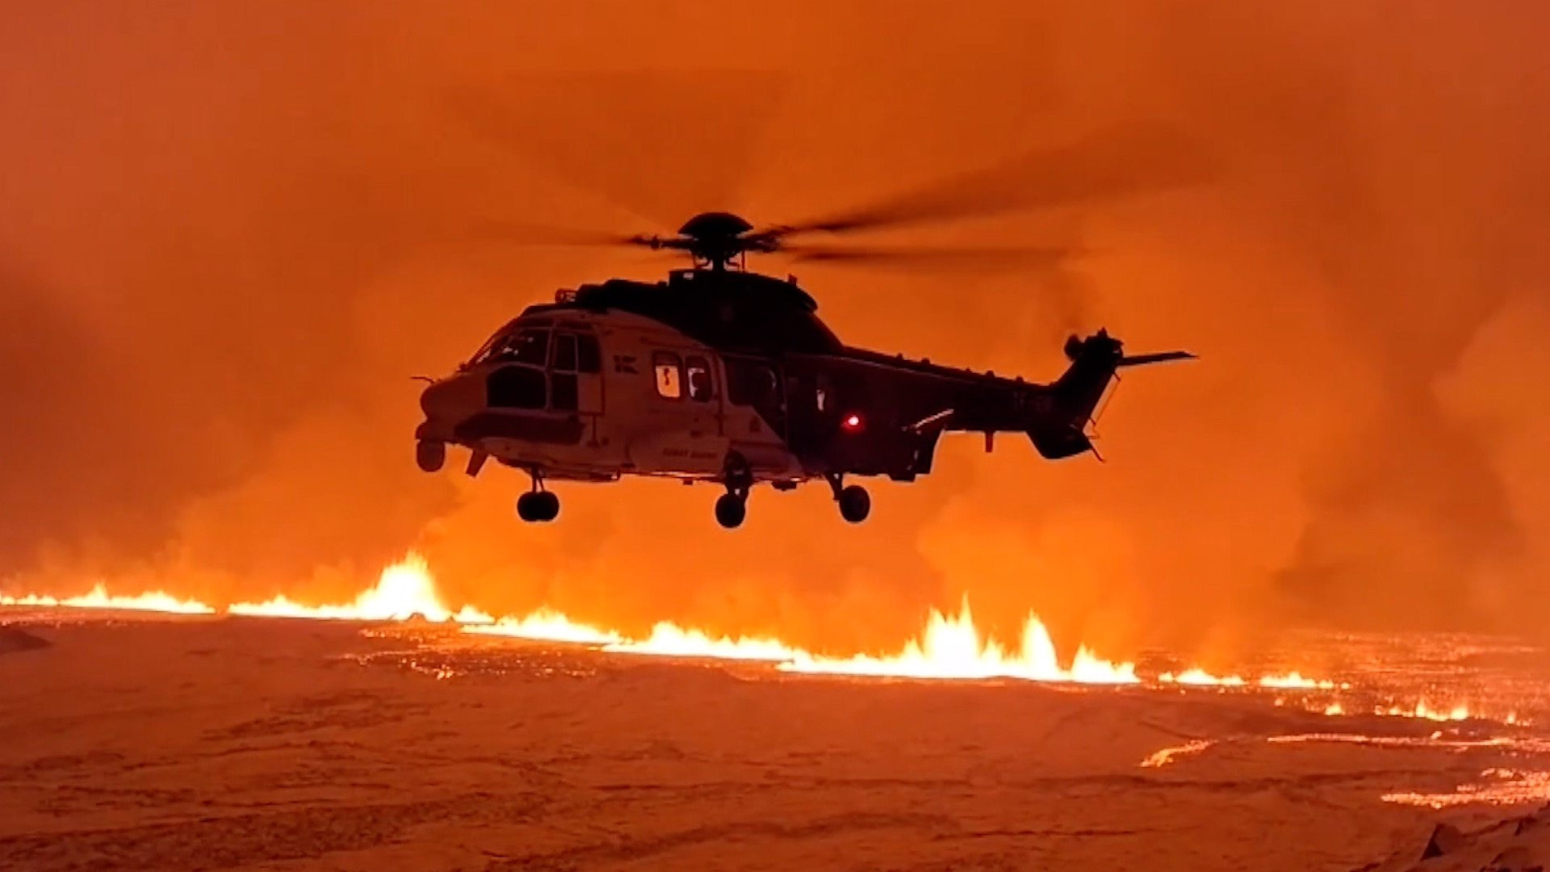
x,y
227,238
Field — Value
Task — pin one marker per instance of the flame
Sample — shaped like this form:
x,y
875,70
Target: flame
x,y
404,590
546,625
1420,710
1288,681
1201,678
950,647
99,598
670,640
1425,712
1295,681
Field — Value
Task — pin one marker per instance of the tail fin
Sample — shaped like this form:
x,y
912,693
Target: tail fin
x,y
1094,362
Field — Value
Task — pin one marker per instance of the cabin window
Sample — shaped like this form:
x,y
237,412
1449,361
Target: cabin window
x,y
697,372
588,357
669,374
516,387
751,383
823,393
564,352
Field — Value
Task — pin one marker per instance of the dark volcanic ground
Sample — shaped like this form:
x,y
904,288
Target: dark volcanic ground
x,y
230,743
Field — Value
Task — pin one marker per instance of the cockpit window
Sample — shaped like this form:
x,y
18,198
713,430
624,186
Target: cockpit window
x,y
516,387
488,349
565,352
529,346
589,357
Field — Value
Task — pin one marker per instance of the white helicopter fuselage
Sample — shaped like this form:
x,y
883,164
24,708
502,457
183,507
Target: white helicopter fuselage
x,y
592,396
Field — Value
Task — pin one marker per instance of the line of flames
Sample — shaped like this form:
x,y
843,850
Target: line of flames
x,y
949,646
99,598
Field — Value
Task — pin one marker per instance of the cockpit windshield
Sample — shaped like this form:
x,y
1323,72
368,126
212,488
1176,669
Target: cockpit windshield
x,y
520,343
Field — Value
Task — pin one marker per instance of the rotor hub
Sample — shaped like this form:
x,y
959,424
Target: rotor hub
x,y
716,239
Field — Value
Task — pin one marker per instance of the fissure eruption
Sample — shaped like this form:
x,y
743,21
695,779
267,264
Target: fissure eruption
x,y
948,646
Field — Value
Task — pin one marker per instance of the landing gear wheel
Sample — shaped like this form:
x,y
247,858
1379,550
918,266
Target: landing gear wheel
x,y
548,505
430,455
855,504
538,506
731,509
527,509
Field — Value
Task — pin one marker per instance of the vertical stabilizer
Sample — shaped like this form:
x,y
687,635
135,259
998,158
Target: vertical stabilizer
x,y
1076,394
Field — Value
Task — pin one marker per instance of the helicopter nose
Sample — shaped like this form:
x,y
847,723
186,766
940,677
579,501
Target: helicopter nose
x,y
451,399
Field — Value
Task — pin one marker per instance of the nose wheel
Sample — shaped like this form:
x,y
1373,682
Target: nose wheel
x,y
429,455
732,506
731,509
538,504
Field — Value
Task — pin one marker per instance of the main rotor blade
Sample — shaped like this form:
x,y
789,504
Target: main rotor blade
x,y
964,259
528,233
660,145
1124,160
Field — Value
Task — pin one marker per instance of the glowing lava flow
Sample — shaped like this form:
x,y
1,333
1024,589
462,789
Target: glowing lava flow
x,y
670,640
1289,681
1201,678
546,625
405,590
666,640
949,646
99,598
1425,712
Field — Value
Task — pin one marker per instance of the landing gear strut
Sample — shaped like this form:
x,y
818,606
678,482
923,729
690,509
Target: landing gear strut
x,y
855,502
732,506
538,504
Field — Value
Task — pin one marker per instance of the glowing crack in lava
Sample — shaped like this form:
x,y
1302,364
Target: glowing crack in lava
x,y
1196,677
404,590
1495,786
99,598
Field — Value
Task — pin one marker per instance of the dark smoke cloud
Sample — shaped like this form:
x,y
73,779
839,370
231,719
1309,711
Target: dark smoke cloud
x,y
231,236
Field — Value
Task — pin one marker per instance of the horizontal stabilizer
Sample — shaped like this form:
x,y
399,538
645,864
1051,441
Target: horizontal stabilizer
x,y
1059,444
1159,357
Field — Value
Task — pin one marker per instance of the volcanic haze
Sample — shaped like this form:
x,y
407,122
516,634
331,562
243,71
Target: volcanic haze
x,y
230,233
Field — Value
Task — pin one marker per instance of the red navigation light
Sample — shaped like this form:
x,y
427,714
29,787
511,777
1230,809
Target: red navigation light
x,y
852,422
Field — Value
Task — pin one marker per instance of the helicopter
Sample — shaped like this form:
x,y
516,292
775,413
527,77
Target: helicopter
x,y
725,375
